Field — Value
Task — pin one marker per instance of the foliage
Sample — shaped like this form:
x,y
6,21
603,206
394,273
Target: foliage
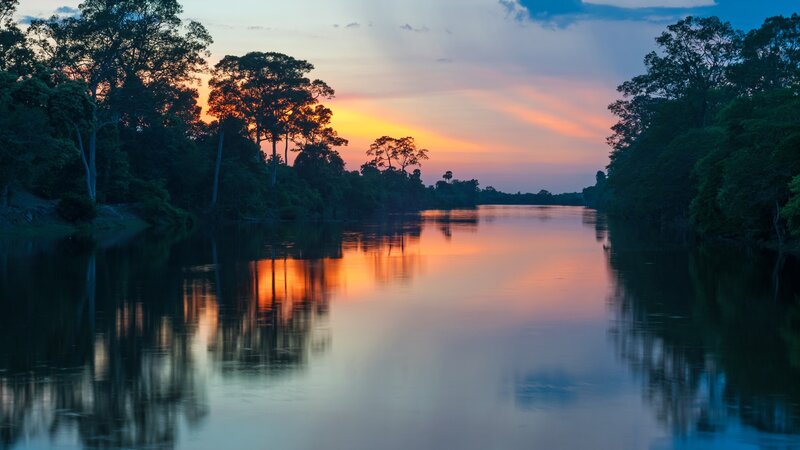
x,y
155,205
491,196
593,195
76,208
708,136
271,94
402,151
791,212
15,55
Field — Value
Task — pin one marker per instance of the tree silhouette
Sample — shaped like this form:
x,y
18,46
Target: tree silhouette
x,y
382,152
271,93
403,151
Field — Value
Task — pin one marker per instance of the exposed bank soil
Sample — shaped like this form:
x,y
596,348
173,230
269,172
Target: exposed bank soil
x,y
31,215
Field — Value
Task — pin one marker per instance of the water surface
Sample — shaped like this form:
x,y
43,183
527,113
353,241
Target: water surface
x,y
497,328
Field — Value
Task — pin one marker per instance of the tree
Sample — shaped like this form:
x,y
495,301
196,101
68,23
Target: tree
x,y
29,150
654,150
272,93
116,49
226,101
770,56
313,127
15,56
448,176
407,154
382,152
695,54
403,151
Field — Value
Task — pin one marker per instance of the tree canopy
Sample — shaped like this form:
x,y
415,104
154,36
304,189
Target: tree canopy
x,y
708,136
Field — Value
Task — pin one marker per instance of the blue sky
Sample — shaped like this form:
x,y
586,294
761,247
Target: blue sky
x,y
741,13
511,92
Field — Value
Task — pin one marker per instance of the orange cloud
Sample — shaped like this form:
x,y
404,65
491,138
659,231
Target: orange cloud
x,y
535,115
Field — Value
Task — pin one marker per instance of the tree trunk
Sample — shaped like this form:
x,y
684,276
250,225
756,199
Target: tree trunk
x,y
92,172
776,275
86,167
776,223
215,191
286,150
274,161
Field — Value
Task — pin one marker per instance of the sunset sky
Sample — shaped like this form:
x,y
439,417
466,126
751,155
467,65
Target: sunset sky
x,y
511,92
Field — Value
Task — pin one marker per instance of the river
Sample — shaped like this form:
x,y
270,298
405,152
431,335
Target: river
x,y
496,328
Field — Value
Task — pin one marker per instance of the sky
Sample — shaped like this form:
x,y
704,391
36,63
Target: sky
x,y
513,93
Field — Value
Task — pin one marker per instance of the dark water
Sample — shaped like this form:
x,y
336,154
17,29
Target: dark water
x,y
503,328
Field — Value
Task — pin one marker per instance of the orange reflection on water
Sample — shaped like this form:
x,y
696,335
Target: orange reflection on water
x,y
502,265
283,285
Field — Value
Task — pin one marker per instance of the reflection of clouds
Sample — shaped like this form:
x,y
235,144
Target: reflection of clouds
x,y
543,389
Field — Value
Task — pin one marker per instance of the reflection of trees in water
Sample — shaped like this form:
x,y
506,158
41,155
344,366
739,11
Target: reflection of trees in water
x,y
449,220
82,350
598,221
108,342
709,333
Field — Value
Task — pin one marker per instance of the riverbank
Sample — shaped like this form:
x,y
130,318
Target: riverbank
x,y
30,216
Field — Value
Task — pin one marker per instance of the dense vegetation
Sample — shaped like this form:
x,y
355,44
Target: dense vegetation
x,y
101,107
491,196
709,136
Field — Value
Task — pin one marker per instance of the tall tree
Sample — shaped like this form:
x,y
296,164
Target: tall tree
x,y
115,48
403,151
272,93
226,101
693,60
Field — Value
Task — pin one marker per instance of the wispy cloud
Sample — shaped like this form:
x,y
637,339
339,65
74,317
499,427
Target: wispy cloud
x,y
408,27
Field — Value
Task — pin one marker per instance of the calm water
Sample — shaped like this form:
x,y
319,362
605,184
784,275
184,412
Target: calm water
x,y
501,328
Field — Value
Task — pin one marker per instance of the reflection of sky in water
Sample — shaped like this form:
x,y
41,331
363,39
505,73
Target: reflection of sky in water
x,y
469,331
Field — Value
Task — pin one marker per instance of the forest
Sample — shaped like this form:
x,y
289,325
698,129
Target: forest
x,y
708,138
101,108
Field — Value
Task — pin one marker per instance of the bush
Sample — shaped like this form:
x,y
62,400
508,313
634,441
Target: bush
x,y
156,211
155,205
76,208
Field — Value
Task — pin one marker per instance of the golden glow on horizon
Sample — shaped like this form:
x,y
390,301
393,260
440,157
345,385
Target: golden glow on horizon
x,y
355,120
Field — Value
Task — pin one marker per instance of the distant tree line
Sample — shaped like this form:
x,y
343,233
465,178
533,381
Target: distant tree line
x,y
709,136
491,196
